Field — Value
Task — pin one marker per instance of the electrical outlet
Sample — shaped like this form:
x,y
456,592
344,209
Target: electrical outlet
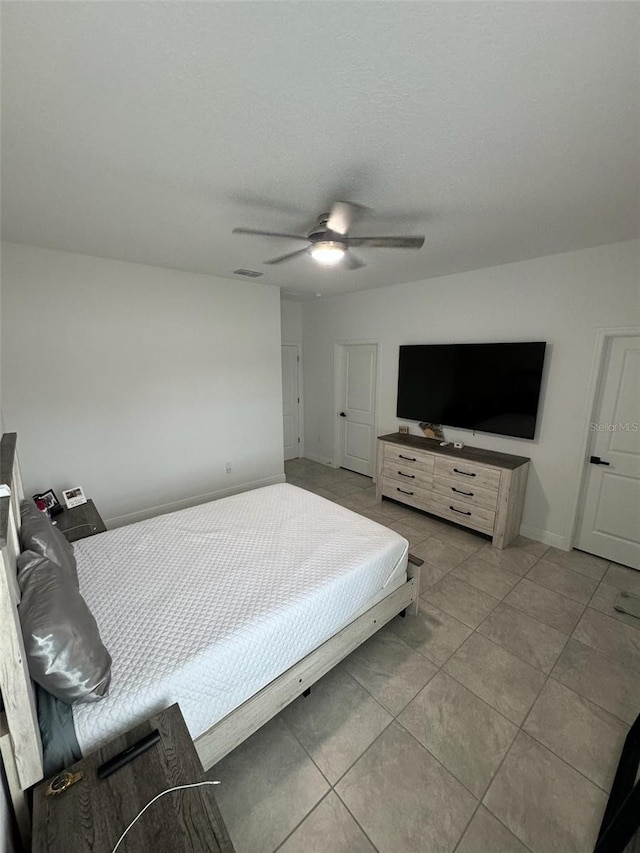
x,y
403,429
228,467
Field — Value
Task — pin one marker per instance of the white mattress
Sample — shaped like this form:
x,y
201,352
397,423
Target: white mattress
x,y
207,605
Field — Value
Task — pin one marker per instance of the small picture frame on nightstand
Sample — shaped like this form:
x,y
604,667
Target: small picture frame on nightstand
x,y
74,497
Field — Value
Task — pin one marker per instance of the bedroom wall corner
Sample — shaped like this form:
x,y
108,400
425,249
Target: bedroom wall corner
x,y
139,383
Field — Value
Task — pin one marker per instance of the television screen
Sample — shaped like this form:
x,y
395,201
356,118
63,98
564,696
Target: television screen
x,y
485,387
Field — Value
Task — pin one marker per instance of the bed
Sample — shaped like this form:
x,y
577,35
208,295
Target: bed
x,y
232,608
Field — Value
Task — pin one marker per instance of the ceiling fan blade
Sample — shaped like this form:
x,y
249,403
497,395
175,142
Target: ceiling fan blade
x,y
387,242
342,216
268,233
288,257
352,262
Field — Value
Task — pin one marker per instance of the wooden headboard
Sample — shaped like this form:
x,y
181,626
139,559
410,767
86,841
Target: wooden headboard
x,y
20,741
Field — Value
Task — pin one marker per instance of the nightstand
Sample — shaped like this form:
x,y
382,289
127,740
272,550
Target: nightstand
x,y
80,522
91,815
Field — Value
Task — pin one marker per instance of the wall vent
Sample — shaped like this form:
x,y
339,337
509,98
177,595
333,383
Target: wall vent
x,y
249,273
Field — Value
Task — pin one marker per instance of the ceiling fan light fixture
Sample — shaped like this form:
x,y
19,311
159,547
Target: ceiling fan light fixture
x,y
328,252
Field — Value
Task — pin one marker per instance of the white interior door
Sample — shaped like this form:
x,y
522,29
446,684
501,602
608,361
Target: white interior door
x,y
357,413
610,525
290,402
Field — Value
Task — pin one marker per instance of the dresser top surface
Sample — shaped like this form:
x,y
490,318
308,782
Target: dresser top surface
x,y
472,454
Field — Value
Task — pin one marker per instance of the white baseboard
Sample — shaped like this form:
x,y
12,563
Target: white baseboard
x,y
162,509
547,538
314,457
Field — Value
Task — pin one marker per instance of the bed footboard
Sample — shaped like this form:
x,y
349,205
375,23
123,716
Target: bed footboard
x,y
237,726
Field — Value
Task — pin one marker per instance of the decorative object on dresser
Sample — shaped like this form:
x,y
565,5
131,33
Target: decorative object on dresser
x,y
80,521
74,497
476,488
92,814
48,502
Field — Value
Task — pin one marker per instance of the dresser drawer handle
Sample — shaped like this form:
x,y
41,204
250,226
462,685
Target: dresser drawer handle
x,y
407,493
459,510
466,473
408,476
460,492
408,458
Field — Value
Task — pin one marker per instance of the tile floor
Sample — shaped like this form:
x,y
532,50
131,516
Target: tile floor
x,y
490,723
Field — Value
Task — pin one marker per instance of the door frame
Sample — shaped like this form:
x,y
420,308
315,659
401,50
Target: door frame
x,y
603,336
338,367
298,346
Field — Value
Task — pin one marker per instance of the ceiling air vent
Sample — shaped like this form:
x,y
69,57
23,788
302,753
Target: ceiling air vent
x,y
249,273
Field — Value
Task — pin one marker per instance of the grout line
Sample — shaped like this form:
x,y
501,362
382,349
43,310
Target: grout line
x,y
298,825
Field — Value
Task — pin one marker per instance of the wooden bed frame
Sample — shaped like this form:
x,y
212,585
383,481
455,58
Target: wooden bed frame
x,y
20,742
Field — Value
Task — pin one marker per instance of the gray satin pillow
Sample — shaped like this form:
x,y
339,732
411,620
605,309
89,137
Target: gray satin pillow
x,y
64,651
39,535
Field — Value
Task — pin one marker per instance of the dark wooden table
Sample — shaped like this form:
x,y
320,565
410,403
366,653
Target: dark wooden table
x,y
80,522
92,814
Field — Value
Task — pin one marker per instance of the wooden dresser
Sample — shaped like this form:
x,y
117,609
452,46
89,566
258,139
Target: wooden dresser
x,y
476,488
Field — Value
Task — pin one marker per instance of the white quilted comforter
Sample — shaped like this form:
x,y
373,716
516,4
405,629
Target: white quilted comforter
x,y
207,605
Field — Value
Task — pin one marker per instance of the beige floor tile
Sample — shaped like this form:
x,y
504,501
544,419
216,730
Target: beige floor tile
x,y
578,587
410,534
425,807
464,540
366,498
604,599
360,479
342,489
518,561
337,722
485,576
393,510
578,561
485,834
623,578
440,554
433,633
424,524
529,546
610,637
429,575
544,802
389,669
546,605
502,680
582,734
328,829
269,784
599,678
465,603
525,637
462,731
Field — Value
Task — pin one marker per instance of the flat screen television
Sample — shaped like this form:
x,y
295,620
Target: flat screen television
x,y
485,387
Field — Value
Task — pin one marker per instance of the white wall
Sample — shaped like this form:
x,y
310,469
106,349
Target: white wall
x,y
291,319
560,299
139,383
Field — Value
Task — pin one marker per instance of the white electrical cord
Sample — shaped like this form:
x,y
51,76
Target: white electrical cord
x,y
157,797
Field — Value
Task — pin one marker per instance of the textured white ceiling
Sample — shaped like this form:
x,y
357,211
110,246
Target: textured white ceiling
x,y
147,131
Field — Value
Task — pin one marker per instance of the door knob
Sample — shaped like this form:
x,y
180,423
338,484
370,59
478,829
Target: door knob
x,y
342,415
595,460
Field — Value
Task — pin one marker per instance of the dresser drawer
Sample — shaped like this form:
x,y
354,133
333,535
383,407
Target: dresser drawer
x,y
468,472
407,458
408,475
463,513
468,492
406,494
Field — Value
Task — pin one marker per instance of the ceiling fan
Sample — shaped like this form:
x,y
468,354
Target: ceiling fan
x,y
329,240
